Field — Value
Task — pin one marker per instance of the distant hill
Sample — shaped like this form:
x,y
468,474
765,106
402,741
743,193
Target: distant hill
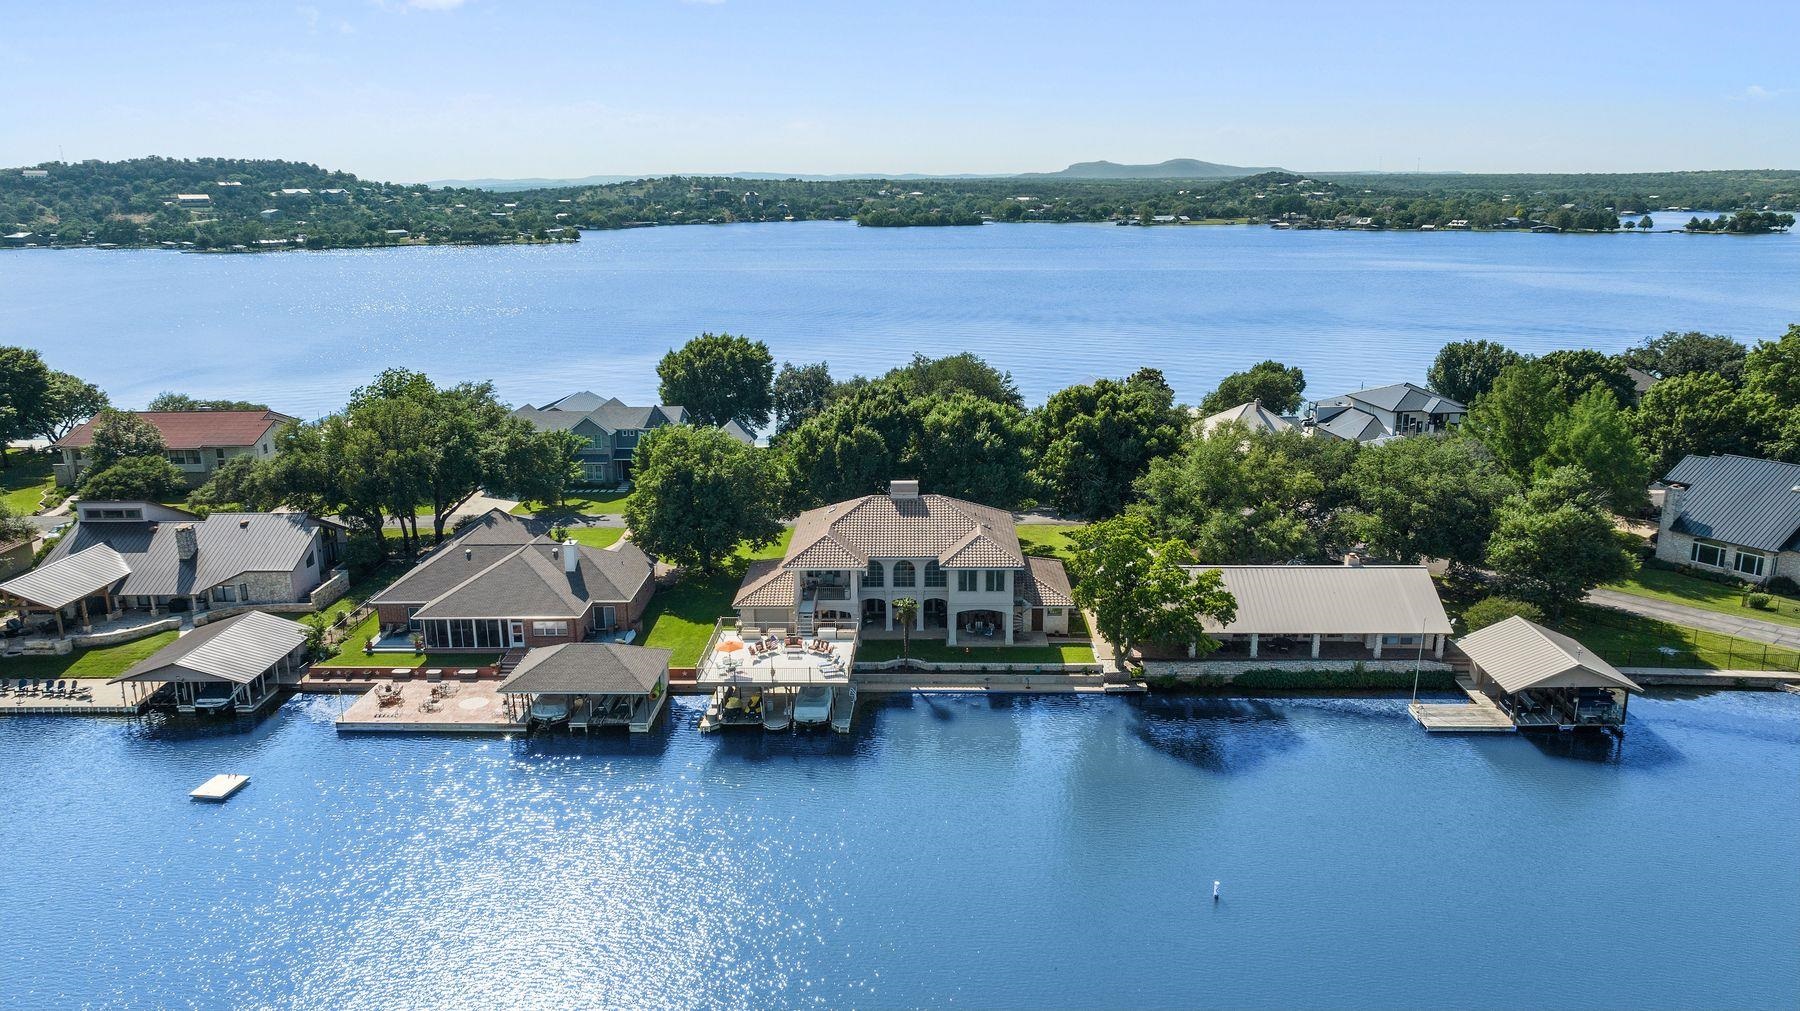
x,y
1174,168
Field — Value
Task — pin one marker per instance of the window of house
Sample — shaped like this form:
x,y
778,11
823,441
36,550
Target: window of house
x,y
875,576
934,574
412,623
1748,562
218,456
1399,640
550,628
904,574
1054,612
996,580
309,559
965,580
1708,554
224,594
609,617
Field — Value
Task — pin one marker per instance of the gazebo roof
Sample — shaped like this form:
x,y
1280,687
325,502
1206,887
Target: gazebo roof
x,y
62,582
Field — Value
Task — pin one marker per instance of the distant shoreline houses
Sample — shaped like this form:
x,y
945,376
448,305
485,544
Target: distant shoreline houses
x,y
1372,415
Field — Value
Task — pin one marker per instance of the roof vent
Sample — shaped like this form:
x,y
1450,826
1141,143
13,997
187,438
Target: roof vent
x,y
243,524
903,489
468,554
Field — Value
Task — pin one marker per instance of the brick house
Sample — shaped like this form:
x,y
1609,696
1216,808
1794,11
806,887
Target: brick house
x,y
196,442
502,583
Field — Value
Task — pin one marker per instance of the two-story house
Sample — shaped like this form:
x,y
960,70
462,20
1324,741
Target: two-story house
x,y
1383,412
848,562
1732,514
196,442
612,429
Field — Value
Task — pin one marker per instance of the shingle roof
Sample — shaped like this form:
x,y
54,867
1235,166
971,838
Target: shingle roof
x,y
1518,654
1252,415
766,584
609,415
60,582
235,649
588,668
529,582
958,534
1045,583
1739,500
478,544
193,429
1403,397
1331,600
230,544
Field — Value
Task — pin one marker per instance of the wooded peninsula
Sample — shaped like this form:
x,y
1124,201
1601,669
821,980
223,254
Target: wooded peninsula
x,y
226,204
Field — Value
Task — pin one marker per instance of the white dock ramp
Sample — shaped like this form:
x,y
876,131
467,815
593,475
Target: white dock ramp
x,y
219,787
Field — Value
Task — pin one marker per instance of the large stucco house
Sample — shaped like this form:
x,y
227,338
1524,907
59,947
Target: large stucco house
x,y
502,583
849,561
196,442
1384,412
1732,514
612,429
141,556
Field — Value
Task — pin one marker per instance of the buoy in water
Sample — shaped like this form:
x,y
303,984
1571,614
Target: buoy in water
x,y
1215,891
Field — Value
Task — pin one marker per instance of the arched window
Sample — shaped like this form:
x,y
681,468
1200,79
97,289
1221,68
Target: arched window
x,y
903,573
934,576
876,576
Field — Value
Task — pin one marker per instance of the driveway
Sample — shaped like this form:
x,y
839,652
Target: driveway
x,y
1756,629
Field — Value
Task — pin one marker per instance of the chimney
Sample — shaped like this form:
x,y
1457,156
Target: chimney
x,y
571,557
187,542
1671,508
1353,558
903,489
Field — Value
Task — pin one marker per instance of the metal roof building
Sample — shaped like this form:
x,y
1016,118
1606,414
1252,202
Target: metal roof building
x,y
590,684
1739,500
1363,607
1544,679
236,662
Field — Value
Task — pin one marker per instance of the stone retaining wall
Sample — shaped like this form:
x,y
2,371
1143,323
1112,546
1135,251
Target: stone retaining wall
x,y
979,668
331,590
119,635
1228,669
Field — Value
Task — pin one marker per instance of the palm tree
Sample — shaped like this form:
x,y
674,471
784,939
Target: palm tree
x,y
905,610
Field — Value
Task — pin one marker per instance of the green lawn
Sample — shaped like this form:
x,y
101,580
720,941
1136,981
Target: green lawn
x,y
596,537
681,618
351,653
24,482
935,651
105,662
1680,588
599,503
1629,640
1048,539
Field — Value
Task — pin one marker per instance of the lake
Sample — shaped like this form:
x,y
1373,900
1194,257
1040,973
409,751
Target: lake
x,y
955,850
1055,304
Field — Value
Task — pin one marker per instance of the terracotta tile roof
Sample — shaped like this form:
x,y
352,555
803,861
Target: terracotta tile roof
x,y
957,533
1046,583
766,584
193,429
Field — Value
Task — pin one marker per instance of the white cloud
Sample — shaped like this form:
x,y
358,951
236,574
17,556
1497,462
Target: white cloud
x,y
1757,93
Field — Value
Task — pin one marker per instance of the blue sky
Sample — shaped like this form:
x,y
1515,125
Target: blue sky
x,y
503,88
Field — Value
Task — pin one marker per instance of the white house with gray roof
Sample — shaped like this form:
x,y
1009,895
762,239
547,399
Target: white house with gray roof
x,y
1384,412
1732,514
612,429
849,561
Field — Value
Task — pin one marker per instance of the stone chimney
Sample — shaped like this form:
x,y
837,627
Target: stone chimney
x,y
187,542
1353,558
571,557
903,489
1671,508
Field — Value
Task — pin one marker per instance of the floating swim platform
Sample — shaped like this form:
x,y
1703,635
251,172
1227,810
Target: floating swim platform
x,y
220,787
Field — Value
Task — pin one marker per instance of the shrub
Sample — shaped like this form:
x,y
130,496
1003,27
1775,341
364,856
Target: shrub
x,y
1493,610
1760,601
1785,586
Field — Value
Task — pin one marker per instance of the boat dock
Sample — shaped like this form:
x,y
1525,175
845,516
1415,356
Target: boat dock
x,y
465,707
1480,715
220,787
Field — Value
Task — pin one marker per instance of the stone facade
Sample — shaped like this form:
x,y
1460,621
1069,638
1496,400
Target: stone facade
x,y
1678,548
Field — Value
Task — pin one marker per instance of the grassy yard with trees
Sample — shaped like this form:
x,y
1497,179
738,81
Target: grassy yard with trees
x,y
104,662
681,617
1724,598
24,484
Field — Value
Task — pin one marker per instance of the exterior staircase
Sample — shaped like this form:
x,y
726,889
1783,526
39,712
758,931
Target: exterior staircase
x,y
511,659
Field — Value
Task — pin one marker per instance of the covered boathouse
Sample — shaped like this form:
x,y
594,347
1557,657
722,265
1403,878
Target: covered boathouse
x,y
589,684
234,664
1546,680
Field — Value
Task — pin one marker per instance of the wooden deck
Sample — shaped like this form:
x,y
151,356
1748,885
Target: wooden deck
x,y
1480,715
475,708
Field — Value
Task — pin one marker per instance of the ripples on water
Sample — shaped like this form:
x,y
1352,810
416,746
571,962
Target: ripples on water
x,y
1054,304
968,850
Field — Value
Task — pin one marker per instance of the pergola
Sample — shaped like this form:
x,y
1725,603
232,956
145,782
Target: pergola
x,y
237,662
68,580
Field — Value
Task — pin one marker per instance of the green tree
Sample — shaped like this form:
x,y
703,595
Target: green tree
x,y
1278,386
1701,412
14,527
241,481
1512,420
1679,354
866,437
720,378
1493,610
698,494
24,385
1090,443
1426,497
905,610
1556,542
168,401
323,468
1646,223
135,478
68,402
1139,592
799,392
1233,497
974,448
1465,371
965,372
1573,373
1596,436
1772,375
120,435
